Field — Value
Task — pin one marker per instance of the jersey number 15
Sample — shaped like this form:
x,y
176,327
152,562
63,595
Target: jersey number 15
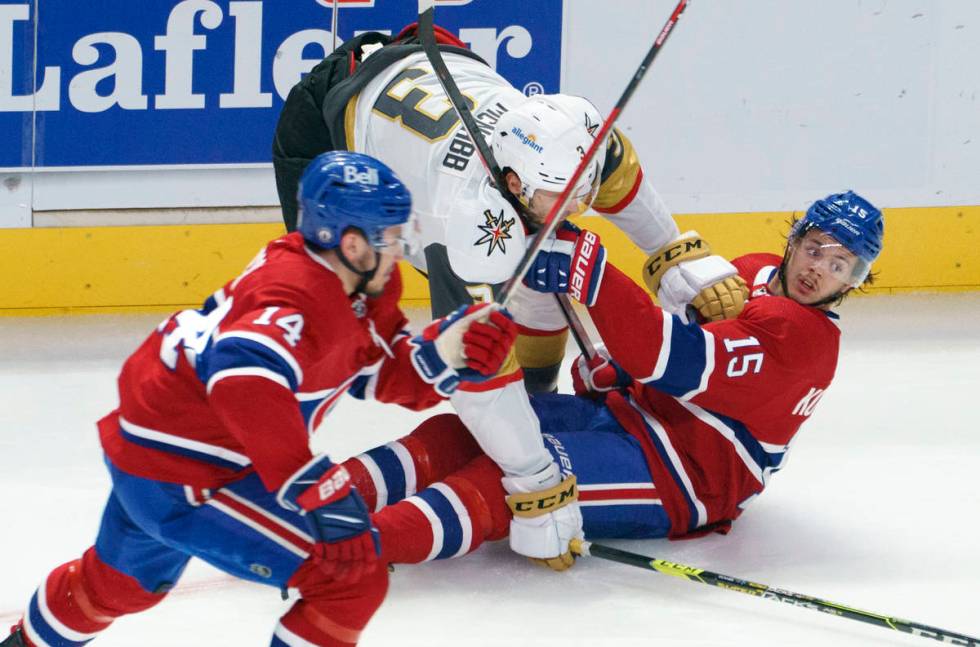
x,y
742,364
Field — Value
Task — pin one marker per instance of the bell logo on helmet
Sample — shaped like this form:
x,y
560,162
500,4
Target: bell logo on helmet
x,y
340,189
354,176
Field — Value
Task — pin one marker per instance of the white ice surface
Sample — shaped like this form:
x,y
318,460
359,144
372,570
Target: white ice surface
x,y
877,509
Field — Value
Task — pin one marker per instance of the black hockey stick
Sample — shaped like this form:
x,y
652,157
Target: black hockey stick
x,y
727,582
552,221
448,83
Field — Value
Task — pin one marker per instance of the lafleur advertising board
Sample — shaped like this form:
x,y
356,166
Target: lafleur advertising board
x,y
117,83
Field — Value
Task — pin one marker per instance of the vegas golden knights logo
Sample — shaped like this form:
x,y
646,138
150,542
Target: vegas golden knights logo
x,y
495,231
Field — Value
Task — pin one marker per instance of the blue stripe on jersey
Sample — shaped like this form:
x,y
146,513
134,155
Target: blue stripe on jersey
x,y
687,359
237,352
764,459
391,470
46,632
452,530
209,304
357,389
308,408
182,451
669,464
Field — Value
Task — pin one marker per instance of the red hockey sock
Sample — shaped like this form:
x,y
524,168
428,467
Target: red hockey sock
x,y
438,447
80,599
448,519
330,614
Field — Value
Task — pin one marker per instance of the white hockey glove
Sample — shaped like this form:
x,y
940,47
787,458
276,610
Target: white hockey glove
x,y
685,273
546,516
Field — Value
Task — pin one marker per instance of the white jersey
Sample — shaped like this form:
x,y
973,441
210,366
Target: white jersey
x,y
472,239
404,118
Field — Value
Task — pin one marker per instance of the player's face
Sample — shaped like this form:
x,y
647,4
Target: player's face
x,y
818,267
543,201
390,252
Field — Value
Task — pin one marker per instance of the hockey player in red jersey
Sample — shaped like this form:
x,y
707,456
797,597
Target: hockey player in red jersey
x,y
208,450
379,95
677,426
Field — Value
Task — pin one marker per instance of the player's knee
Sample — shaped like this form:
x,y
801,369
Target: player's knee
x,y
481,477
112,592
440,445
82,597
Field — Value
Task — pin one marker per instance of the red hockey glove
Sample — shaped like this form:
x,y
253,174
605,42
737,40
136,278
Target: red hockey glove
x,y
487,343
470,344
347,544
593,377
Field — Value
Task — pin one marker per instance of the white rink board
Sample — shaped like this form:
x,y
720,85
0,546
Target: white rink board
x,y
877,509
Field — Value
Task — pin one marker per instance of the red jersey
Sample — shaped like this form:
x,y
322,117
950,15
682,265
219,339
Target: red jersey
x,y
716,406
240,383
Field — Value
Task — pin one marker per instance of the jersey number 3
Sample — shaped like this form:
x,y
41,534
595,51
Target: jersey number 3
x,y
431,118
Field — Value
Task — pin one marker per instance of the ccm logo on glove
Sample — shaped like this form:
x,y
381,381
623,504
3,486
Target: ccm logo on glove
x,y
535,503
587,248
680,249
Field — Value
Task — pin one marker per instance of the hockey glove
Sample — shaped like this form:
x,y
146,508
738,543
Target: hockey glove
x,y
591,378
546,516
470,344
346,544
573,262
685,273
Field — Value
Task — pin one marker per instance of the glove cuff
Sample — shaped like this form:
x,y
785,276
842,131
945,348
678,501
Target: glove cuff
x,y
301,480
687,247
431,367
542,502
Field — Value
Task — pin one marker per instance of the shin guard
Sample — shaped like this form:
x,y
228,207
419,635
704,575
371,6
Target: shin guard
x,y
329,614
399,469
448,519
81,598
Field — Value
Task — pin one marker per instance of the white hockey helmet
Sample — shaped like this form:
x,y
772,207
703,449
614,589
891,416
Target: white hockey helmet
x,y
544,139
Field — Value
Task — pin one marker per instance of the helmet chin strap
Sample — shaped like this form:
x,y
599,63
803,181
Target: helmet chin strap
x,y
365,275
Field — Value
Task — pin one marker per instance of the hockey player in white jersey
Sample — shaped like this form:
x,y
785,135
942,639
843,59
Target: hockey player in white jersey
x,y
379,96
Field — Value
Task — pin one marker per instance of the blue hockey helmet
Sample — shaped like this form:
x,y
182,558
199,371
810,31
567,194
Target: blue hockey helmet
x,y
340,190
853,221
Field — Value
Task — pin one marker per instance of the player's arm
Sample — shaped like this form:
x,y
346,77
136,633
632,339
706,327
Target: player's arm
x,y
482,250
469,346
461,347
666,352
633,328
252,370
681,269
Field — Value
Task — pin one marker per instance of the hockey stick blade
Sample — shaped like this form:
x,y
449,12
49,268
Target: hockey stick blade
x,y
729,583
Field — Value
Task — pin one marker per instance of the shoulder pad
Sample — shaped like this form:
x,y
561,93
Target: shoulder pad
x,y
485,238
